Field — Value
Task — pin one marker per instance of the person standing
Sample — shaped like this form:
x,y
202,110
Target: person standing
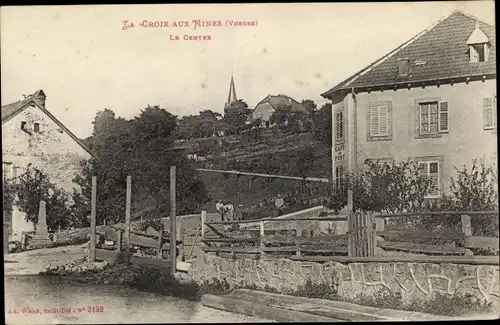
x,y
220,208
230,211
279,204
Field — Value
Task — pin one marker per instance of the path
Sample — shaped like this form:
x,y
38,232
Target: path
x,y
35,261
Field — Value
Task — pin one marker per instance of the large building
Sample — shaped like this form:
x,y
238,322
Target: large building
x,y
266,107
432,100
33,135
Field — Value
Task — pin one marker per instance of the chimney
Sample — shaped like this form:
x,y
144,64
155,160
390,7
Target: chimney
x,y
403,67
40,97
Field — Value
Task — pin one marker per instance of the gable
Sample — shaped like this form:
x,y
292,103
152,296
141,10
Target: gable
x,y
51,139
439,53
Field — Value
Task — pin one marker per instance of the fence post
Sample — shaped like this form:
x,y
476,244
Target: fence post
x,y
160,242
380,224
370,223
93,219
466,225
262,245
179,237
128,204
173,227
350,235
202,226
298,230
118,240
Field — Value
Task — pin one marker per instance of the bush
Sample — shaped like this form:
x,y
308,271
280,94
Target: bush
x,y
390,188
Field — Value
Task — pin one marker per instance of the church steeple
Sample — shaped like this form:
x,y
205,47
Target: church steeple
x,y
231,97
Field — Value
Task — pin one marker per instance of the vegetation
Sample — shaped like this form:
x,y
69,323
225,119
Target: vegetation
x,y
142,148
33,186
387,187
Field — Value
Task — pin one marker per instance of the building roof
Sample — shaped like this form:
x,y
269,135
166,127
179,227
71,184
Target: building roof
x,y
10,111
438,53
282,100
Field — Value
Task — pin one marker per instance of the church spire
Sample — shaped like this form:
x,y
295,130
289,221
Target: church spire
x,y
231,97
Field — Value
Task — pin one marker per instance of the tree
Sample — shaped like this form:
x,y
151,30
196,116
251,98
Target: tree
x,y
236,117
322,124
282,116
34,186
8,194
309,105
141,148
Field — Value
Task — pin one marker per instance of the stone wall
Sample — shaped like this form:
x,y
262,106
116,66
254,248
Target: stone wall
x,y
412,280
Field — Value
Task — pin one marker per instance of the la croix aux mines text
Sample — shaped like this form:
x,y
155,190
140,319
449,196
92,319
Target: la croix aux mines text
x,y
195,27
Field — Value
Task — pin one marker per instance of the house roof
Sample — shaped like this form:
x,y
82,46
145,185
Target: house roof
x,y
439,53
10,111
282,100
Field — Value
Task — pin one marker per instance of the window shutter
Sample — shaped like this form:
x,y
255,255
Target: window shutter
x,y
340,125
374,125
488,112
443,116
422,169
383,120
434,175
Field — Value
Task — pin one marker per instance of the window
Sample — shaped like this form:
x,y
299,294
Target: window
x,y
339,126
379,121
489,113
7,171
430,169
23,125
339,177
36,127
477,53
433,117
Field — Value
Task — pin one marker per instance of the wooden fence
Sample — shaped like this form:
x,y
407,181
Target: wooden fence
x,y
366,232
110,246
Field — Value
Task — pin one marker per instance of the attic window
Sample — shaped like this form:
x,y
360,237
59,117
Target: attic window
x,y
478,53
479,47
403,67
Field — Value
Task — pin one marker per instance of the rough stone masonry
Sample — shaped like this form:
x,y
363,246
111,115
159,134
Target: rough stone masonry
x,y
412,280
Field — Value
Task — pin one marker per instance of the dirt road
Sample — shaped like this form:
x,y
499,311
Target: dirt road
x,y
35,261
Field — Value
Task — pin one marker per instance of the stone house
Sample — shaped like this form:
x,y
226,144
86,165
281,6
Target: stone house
x,y
265,108
432,100
33,135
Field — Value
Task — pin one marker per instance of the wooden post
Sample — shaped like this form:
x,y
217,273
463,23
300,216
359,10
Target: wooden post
x,y
173,227
466,225
128,204
160,242
262,245
202,225
93,203
379,224
298,230
118,240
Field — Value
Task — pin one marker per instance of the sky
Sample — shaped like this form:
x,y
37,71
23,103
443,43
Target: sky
x,y
85,61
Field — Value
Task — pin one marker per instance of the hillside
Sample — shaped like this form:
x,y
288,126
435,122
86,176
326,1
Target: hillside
x,y
272,153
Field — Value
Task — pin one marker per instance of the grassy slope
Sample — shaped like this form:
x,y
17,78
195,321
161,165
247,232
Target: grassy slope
x,y
238,153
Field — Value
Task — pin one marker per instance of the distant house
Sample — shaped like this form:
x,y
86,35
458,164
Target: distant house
x,y
32,135
432,100
265,108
